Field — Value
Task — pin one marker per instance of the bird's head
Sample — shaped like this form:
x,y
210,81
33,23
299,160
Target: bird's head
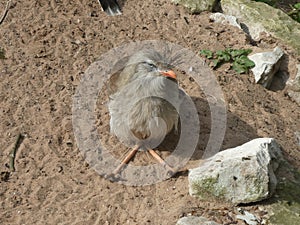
x,y
150,63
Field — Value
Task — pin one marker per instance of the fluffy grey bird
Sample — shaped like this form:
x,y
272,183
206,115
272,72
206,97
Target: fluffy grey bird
x,y
111,7
143,102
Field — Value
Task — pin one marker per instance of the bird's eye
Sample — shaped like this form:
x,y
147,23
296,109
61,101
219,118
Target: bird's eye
x,y
150,64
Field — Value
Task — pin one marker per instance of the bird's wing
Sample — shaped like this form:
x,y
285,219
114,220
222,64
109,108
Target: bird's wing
x,y
111,7
120,77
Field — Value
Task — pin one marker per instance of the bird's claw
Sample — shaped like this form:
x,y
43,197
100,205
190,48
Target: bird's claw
x,y
113,177
170,171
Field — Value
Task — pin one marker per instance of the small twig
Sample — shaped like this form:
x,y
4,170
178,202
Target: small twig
x,y
5,12
13,153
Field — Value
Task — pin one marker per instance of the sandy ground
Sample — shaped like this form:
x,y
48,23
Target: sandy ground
x,y
49,45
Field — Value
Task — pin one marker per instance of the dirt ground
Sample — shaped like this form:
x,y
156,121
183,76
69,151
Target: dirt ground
x,y
48,47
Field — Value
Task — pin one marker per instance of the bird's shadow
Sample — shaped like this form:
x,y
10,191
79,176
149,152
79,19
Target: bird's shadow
x,y
237,131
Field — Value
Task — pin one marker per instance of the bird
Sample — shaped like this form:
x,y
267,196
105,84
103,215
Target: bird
x,y
111,7
142,105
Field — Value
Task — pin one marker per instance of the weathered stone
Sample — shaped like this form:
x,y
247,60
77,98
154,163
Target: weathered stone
x,y
266,65
259,17
294,87
197,6
295,83
294,95
225,19
194,220
239,175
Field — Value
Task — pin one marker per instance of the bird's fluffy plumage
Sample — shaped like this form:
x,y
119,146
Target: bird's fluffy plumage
x,y
140,108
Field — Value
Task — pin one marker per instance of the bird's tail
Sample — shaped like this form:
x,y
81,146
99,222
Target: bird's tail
x,y
111,7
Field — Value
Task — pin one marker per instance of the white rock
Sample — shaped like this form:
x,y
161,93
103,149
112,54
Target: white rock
x,y
225,19
239,175
249,218
194,220
266,65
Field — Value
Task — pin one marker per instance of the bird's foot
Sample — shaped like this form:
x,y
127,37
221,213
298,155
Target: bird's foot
x,y
113,177
170,171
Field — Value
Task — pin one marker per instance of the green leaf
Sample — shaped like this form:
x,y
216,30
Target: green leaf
x,y
249,63
239,52
217,63
238,57
239,68
207,53
223,56
295,12
297,6
242,64
244,60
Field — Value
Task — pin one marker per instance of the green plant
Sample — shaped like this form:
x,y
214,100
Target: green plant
x,y
295,12
237,57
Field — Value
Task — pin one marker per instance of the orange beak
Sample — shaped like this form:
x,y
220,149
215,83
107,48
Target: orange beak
x,y
169,73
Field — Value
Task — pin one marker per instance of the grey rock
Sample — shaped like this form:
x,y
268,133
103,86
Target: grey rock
x,y
266,65
197,6
194,220
239,175
295,83
225,19
258,17
294,87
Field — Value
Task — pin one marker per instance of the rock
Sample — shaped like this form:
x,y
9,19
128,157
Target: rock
x,y
259,17
266,65
295,83
248,218
197,6
294,95
239,175
225,19
294,86
194,220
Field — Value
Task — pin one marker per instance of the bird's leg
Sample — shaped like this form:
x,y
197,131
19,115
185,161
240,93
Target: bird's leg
x,y
171,171
130,155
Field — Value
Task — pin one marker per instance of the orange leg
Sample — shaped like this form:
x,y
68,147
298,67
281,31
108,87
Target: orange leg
x,y
130,155
161,161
